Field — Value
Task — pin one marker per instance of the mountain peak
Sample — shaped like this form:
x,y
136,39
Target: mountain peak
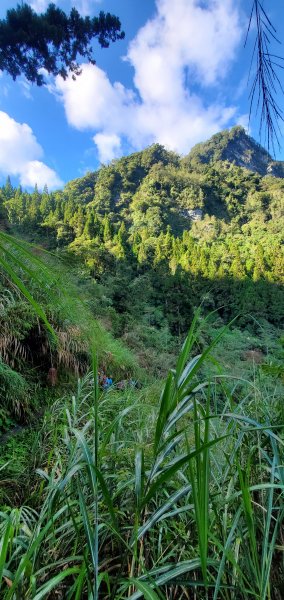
x,y
236,146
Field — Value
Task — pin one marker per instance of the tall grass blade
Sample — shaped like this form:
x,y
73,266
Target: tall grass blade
x,y
169,471
160,512
52,583
37,308
147,592
4,543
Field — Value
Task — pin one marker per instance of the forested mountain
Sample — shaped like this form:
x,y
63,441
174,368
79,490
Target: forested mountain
x,y
239,148
191,230
154,236
106,471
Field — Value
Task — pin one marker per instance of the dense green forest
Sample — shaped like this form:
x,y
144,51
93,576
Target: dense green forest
x,y
168,484
193,230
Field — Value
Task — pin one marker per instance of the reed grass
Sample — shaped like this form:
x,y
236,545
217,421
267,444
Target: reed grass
x,y
172,500
135,497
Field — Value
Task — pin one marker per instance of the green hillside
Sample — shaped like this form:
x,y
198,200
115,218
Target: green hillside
x,y
145,241
239,148
159,222
165,274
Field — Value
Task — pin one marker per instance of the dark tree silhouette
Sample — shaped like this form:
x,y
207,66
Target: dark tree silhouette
x,y
52,41
266,82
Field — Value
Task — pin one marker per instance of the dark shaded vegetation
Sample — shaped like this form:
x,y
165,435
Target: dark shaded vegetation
x,y
181,231
147,240
173,490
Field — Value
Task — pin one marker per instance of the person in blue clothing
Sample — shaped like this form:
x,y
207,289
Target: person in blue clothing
x,y
107,383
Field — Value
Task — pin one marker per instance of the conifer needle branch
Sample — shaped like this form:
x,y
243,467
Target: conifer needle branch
x,y
266,83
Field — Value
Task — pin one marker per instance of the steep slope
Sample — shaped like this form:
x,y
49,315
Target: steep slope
x,y
36,367
239,148
158,233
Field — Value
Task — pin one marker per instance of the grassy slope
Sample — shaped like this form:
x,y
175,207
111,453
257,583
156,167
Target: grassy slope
x,y
199,518
191,489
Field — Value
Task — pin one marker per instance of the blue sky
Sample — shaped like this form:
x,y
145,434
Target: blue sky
x,y
179,76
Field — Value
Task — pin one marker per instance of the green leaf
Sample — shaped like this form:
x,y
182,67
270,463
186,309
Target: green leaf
x,y
4,543
160,512
37,308
145,589
169,471
52,583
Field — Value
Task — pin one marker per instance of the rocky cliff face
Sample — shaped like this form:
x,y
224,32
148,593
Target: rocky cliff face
x,y
239,148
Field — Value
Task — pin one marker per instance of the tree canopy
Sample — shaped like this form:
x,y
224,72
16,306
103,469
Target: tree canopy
x,y
184,229
51,41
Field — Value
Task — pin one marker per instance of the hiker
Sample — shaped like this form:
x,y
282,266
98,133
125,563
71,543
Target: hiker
x,y
107,383
101,377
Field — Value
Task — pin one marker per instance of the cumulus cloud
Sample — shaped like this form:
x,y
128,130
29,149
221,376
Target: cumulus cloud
x,y
37,172
20,153
91,101
186,49
109,146
85,7
184,34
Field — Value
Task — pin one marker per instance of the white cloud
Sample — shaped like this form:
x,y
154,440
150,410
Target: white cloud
x,y
37,172
19,154
184,35
189,45
92,100
85,7
109,146
39,5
